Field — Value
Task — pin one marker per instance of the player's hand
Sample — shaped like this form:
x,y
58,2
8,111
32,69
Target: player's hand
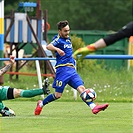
x,y
60,52
12,59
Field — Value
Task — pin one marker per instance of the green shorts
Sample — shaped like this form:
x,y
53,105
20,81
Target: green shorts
x,y
3,92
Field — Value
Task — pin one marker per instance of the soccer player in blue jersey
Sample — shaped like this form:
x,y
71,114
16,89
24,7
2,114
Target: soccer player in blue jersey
x,y
65,70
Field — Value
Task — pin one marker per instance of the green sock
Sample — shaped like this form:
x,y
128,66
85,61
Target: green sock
x,y
31,93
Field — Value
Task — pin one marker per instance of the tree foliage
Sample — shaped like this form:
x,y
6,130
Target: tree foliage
x,y
84,14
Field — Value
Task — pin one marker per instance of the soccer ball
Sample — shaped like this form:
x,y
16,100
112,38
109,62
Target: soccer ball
x,y
89,95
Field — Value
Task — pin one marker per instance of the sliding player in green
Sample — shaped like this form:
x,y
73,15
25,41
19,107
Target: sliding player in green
x,y
7,92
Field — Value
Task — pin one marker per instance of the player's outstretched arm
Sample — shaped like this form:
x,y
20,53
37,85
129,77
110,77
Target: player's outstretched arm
x,y
124,32
84,51
90,48
8,66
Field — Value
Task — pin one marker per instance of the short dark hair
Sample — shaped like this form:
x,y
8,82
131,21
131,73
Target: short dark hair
x,y
62,24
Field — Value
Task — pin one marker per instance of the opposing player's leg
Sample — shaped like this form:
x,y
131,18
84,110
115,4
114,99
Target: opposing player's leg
x,y
5,94
7,112
33,92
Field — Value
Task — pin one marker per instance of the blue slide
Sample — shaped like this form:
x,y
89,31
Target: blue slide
x,y
48,53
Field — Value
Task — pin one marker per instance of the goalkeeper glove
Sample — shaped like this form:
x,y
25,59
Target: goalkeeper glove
x,y
84,51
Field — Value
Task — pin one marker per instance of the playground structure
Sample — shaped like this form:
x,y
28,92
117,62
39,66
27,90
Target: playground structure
x,y
21,29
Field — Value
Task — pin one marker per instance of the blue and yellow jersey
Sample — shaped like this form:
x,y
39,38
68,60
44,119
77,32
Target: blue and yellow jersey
x,y
65,45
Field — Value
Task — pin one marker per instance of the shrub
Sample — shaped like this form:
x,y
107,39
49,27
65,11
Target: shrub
x,y
77,42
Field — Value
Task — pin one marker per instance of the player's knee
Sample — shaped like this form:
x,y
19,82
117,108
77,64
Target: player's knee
x,y
81,89
58,95
17,93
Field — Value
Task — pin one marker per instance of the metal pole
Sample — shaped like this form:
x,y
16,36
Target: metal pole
x,y
1,34
39,75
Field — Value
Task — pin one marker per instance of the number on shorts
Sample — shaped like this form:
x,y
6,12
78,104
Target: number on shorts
x,y
58,83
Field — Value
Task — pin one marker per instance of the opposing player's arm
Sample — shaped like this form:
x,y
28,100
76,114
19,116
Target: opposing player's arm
x,y
8,66
124,32
84,51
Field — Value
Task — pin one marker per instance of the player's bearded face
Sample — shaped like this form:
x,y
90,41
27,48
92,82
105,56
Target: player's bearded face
x,y
64,32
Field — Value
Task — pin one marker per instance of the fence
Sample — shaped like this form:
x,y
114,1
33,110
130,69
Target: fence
x,y
124,57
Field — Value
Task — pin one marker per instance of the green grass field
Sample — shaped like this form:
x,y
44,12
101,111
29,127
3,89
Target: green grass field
x,y
67,117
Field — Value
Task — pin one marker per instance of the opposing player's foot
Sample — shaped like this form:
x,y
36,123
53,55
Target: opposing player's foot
x,y
38,108
7,112
99,108
45,86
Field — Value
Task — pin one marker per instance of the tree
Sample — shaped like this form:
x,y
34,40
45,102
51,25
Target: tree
x,y
89,14
84,14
